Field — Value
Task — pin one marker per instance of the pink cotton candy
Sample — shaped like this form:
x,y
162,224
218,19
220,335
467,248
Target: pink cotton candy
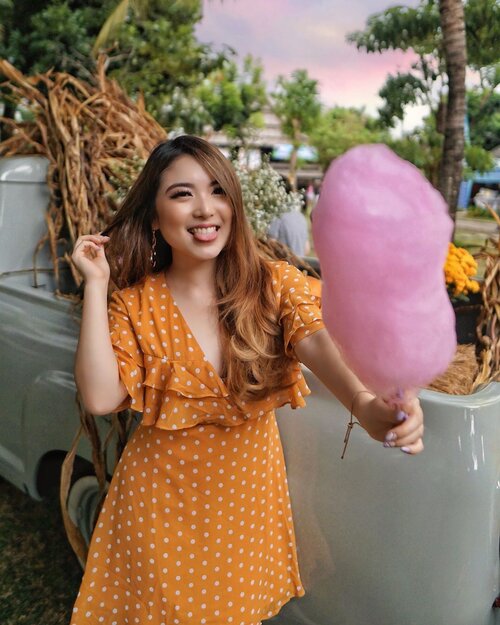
x,y
381,232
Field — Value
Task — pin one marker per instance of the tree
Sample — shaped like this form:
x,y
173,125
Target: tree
x,y
423,147
339,129
36,36
296,103
157,55
116,19
420,30
483,107
234,99
122,11
454,51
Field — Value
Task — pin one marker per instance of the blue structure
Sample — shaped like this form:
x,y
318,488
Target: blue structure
x,y
488,179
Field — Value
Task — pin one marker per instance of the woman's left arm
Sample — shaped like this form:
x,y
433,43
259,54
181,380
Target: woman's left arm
x,y
320,354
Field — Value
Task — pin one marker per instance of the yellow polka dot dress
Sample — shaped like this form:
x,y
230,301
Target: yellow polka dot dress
x,y
196,528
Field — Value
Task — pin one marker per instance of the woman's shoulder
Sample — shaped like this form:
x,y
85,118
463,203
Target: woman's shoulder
x,y
285,271
289,278
280,267
132,293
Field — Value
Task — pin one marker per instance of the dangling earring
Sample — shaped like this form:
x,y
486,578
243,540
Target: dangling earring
x,y
152,256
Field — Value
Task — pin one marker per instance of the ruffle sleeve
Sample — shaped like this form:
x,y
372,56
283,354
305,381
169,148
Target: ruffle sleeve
x,y
300,307
128,353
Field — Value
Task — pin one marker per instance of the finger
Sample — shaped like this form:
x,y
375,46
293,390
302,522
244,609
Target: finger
x,y
406,432
407,417
409,425
100,241
96,238
87,245
86,249
410,438
414,448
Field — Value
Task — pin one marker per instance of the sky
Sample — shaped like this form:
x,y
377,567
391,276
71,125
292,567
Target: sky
x,y
310,34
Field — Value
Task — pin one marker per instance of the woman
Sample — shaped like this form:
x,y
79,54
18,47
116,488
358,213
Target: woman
x,y
204,339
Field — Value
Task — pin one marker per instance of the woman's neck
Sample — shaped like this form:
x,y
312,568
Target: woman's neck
x,y
194,278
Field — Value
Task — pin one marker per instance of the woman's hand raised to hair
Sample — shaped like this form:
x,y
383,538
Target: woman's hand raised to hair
x,y
90,259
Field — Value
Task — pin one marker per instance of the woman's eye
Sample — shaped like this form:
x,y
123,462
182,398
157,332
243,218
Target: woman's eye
x,y
180,194
219,191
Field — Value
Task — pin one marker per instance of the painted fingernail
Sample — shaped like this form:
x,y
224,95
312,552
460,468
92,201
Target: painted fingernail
x,y
390,437
401,415
388,445
406,450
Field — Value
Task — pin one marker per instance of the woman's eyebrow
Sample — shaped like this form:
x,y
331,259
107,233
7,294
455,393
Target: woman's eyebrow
x,y
188,184
180,184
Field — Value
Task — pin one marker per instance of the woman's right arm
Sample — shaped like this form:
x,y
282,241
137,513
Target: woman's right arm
x,y
96,367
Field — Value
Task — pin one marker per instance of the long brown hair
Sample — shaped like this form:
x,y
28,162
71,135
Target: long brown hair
x,y
255,363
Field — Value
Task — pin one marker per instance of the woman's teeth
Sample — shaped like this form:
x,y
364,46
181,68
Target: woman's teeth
x,y
203,230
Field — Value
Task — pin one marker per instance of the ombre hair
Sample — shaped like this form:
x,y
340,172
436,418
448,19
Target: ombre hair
x,y
255,363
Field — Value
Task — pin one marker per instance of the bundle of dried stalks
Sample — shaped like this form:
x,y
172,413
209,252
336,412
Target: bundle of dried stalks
x,y
459,378
95,139
93,136
488,330
474,366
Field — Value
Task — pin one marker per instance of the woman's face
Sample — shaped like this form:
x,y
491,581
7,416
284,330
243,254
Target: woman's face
x,y
192,212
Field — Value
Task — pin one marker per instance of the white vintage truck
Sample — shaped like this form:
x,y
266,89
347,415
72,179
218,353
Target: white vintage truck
x,y
383,539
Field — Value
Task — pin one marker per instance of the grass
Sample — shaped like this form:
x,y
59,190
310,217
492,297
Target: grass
x,y
473,242
39,574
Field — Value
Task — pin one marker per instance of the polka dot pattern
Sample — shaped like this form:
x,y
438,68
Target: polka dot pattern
x,y
197,524
165,371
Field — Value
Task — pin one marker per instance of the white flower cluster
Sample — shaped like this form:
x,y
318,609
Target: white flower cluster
x,y
265,196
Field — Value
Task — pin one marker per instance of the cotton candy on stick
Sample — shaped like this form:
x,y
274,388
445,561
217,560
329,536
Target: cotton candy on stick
x,y
381,232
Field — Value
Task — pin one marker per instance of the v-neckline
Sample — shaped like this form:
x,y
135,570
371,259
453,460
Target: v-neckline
x,y
189,331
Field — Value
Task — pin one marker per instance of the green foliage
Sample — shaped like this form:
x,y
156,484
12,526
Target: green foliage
x,y
422,147
59,36
478,159
153,46
339,129
233,99
476,212
400,28
296,103
418,29
482,29
37,35
397,92
483,107
159,56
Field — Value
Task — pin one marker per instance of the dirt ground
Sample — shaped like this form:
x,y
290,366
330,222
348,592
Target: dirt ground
x,y
39,575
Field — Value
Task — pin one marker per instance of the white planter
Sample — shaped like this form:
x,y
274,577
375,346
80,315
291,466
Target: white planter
x,y
386,539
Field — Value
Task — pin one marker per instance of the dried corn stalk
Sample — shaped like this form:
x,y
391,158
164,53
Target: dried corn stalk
x,y
95,138
488,330
459,378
